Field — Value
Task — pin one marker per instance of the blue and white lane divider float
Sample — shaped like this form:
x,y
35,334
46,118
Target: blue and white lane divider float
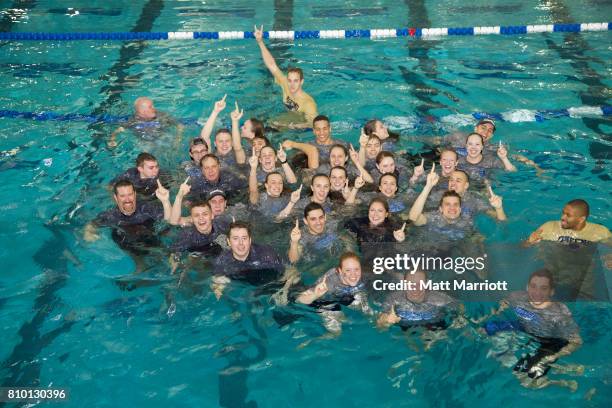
x,y
512,116
309,34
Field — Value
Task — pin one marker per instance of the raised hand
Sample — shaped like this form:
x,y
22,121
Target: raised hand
x,y
393,317
258,33
296,233
287,144
494,200
363,139
162,193
346,189
353,154
399,234
502,153
419,170
432,177
220,104
236,113
281,155
359,182
184,188
253,160
295,196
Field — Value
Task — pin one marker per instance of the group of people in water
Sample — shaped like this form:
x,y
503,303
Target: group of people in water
x,y
334,204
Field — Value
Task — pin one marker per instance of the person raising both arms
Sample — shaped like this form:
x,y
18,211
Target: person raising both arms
x,y
295,98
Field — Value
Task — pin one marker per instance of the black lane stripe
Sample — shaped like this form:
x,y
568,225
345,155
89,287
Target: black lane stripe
x,y
22,371
233,389
419,49
573,51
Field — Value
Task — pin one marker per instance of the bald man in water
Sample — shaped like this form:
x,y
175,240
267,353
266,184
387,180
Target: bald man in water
x,y
147,122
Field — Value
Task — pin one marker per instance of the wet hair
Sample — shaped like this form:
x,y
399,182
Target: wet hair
x,y
223,130
387,175
273,173
197,141
312,180
122,183
270,147
258,127
477,134
452,151
239,225
370,127
374,137
338,168
348,255
379,200
143,157
200,203
265,139
320,118
543,273
339,146
209,156
580,205
467,177
450,193
296,70
380,156
312,207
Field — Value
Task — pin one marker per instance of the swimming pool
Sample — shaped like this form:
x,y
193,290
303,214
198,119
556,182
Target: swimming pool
x,y
66,324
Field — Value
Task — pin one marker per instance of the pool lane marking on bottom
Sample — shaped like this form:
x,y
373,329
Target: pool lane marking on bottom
x,y
589,77
55,265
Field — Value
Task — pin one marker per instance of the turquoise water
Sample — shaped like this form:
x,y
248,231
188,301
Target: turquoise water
x,y
68,325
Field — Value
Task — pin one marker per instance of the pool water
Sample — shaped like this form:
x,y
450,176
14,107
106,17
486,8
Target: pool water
x,y
66,324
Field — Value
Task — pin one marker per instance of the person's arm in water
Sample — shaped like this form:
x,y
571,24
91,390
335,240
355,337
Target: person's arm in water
x,y
387,319
179,135
309,108
295,249
534,237
90,232
503,305
210,122
416,211
253,185
502,153
528,162
177,207
112,141
219,282
309,150
295,197
281,155
312,294
163,195
573,344
236,143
